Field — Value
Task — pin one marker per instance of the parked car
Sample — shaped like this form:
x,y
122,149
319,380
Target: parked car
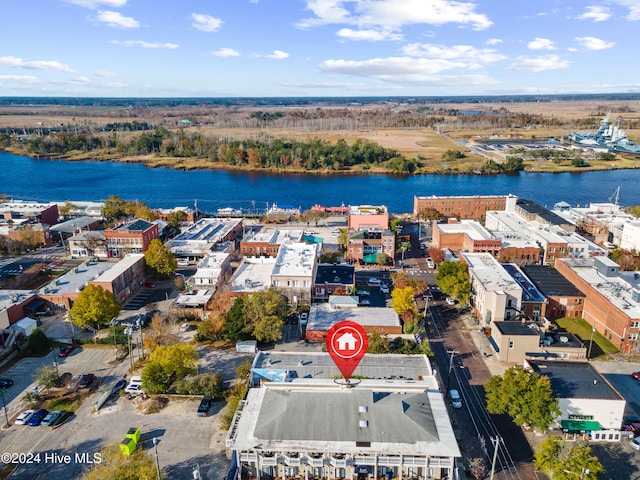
x,y
374,281
65,351
363,293
135,386
205,405
450,301
64,380
86,380
304,318
183,262
120,384
51,418
149,284
185,327
37,417
636,375
24,417
430,263
635,443
365,302
5,382
384,288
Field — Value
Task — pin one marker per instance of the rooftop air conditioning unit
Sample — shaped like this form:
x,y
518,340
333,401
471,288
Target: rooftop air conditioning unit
x,y
363,423
362,409
564,339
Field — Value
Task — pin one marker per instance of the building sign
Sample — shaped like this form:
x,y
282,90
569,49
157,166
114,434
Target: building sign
x,y
580,417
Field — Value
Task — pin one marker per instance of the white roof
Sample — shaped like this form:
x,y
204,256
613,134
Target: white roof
x,y
489,272
474,230
295,260
119,268
323,315
253,274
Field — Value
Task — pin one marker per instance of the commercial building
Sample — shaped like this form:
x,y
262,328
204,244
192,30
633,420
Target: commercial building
x,y
65,289
368,217
267,241
330,278
302,424
131,237
612,304
253,275
472,207
563,297
88,244
20,211
295,271
17,304
204,236
588,402
212,270
465,236
495,294
370,247
124,277
534,303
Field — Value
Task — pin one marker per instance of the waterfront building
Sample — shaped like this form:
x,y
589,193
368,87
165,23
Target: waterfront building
x,y
471,207
330,277
371,247
131,237
267,241
212,270
368,217
205,236
564,299
295,271
20,211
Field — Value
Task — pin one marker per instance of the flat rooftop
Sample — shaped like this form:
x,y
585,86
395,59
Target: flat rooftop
x,y
77,278
575,380
319,365
321,416
295,260
322,316
515,328
11,297
253,274
194,299
551,282
529,291
472,229
489,272
199,238
119,268
137,225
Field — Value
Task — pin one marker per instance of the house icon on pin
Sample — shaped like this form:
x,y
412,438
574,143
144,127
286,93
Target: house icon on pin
x,y
347,341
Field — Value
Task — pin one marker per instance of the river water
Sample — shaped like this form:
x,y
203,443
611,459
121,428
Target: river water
x,y
55,180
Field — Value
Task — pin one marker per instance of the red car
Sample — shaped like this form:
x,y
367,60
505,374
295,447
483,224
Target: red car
x,y
65,351
636,375
149,284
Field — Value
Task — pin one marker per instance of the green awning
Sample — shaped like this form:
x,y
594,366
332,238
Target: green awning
x,y
580,425
373,258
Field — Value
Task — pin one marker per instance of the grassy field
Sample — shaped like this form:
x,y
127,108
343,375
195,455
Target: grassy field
x,y
580,328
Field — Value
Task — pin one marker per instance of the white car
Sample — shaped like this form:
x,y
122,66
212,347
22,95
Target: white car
x,y
365,302
304,318
450,301
183,262
185,327
134,387
430,263
24,417
374,281
362,293
384,288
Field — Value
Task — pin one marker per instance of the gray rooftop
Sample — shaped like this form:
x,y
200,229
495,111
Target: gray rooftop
x,y
575,380
515,328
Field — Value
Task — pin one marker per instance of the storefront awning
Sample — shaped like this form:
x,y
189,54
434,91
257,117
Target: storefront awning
x,y
580,425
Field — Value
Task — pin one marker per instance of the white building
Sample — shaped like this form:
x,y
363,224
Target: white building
x,y
295,271
212,270
253,275
495,294
202,237
630,238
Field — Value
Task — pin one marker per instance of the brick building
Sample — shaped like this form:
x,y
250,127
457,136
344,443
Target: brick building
x,y
465,236
132,237
564,298
366,246
267,241
472,207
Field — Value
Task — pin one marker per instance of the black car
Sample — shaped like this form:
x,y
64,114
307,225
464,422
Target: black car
x,y
118,387
5,382
86,380
205,405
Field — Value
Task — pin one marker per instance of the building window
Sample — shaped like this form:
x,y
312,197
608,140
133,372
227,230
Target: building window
x,y
633,336
634,324
511,344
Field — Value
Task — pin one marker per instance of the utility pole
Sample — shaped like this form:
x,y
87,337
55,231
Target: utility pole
x,y
451,353
495,442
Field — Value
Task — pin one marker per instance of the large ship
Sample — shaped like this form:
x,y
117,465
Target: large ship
x,y
610,136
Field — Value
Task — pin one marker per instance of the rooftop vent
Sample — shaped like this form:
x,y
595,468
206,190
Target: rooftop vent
x,y
362,409
363,423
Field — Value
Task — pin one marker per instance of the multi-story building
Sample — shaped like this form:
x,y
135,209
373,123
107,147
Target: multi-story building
x,y
88,244
33,233
15,305
124,277
366,246
465,236
212,270
368,217
330,277
166,214
394,427
267,241
295,271
630,238
131,237
534,303
612,304
472,207
495,295
25,212
531,211
64,290
563,297
204,236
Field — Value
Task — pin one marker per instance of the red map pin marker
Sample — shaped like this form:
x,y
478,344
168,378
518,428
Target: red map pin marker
x,y
347,343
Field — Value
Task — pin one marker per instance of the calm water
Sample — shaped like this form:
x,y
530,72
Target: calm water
x,y
54,180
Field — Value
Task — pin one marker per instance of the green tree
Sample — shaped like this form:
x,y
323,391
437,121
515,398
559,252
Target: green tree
x,y
402,300
235,325
210,384
244,369
331,256
453,279
264,313
160,260
633,210
38,341
155,378
525,396
94,307
178,360
114,465
451,155
377,343
46,376
66,209
114,209
395,224
175,220
566,460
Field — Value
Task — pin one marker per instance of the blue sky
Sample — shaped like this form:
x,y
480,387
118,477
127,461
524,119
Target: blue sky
x,y
255,48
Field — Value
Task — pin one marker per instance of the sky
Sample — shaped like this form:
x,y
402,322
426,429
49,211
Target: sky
x,y
285,48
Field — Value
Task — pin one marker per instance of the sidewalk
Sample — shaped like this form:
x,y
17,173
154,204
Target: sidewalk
x,y
484,347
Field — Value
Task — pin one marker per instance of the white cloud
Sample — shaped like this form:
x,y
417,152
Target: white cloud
x,y
539,64
394,13
633,6
206,23
493,41
104,73
225,52
596,13
35,64
144,44
30,79
593,43
369,35
340,85
541,44
116,20
276,55
466,53
93,4
419,71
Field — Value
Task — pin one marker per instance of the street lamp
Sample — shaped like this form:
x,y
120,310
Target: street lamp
x,y
593,330
155,448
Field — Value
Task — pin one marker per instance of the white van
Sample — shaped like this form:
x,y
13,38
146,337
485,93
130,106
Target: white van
x,y
456,401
